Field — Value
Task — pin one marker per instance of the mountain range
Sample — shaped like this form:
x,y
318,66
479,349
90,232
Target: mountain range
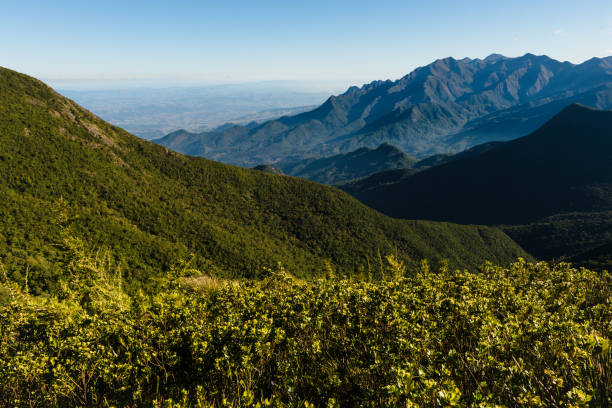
x,y
445,107
551,190
71,182
355,167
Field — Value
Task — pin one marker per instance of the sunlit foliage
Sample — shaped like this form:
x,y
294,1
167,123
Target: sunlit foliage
x,y
527,335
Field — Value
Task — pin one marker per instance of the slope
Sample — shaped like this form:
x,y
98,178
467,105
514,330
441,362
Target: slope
x,y
563,167
442,158
597,258
71,182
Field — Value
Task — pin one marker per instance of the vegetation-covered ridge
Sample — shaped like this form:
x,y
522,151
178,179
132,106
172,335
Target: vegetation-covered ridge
x,y
551,189
341,168
530,335
65,171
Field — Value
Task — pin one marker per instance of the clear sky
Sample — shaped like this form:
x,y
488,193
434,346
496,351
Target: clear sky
x,y
256,40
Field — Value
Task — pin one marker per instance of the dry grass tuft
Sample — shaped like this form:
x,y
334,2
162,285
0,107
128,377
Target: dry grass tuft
x,y
205,283
33,101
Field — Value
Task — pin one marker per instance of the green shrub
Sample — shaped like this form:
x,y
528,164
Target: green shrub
x,y
527,335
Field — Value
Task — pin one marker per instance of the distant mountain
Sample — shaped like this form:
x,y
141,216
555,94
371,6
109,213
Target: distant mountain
x,y
521,120
70,183
360,187
374,181
442,158
447,106
352,170
565,167
349,166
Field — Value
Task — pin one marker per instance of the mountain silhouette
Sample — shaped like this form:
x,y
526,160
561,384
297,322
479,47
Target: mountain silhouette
x,y
447,106
564,167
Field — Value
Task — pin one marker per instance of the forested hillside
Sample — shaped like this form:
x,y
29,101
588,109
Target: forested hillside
x,y
64,171
551,190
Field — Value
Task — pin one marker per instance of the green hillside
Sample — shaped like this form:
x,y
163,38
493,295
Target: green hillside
x,y
563,235
551,189
65,173
598,258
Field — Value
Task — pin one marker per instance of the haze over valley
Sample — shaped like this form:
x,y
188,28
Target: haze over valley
x,y
152,112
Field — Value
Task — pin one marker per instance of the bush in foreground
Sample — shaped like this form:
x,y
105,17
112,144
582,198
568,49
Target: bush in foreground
x,y
527,335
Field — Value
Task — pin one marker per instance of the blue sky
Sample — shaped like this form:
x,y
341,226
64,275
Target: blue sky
x,y
249,40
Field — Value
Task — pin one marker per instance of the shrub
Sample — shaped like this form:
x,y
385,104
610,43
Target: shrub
x,y
532,334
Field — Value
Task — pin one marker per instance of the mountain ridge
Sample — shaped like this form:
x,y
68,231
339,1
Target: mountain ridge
x,y
564,167
348,166
423,113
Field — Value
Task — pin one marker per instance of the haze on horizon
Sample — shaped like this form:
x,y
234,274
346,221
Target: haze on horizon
x,y
193,42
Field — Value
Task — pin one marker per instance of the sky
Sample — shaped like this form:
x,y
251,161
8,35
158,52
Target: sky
x,y
180,41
